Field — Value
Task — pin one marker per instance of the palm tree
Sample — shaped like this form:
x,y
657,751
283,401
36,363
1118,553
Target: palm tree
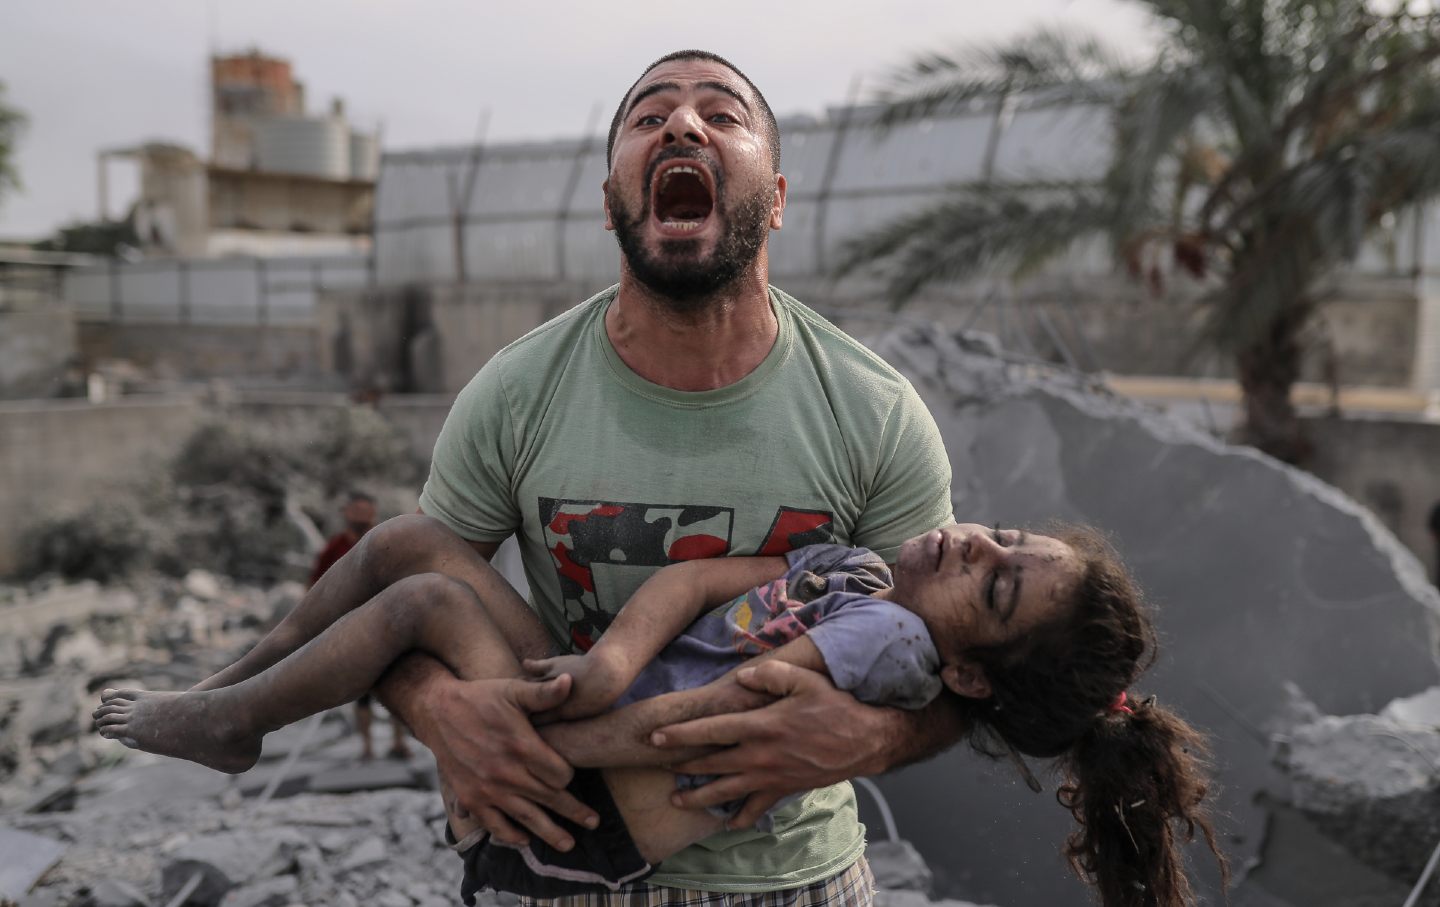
x,y
1256,148
12,122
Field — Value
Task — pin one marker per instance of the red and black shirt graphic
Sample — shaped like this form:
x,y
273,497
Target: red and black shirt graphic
x,y
582,535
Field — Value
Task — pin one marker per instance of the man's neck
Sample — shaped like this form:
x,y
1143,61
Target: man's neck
x,y
715,345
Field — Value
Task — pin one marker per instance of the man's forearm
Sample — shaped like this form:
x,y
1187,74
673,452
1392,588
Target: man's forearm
x,y
622,738
914,736
406,686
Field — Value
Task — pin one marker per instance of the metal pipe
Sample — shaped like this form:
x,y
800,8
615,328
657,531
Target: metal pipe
x,y
832,166
1424,879
886,816
572,182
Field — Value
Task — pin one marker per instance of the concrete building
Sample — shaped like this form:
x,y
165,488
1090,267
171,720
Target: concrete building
x,y
278,181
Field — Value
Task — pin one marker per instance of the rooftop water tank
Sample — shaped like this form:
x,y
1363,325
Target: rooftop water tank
x,y
313,146
364,156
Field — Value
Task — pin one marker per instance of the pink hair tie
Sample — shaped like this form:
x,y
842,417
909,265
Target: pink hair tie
x,y
1119,704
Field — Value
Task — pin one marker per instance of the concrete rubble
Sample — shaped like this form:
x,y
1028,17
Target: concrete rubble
x,y
1265,580
1371,782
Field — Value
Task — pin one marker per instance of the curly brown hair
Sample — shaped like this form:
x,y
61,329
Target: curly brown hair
x,y
1135,778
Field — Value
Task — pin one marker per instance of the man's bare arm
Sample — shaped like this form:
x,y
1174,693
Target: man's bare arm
x,y
626,737
814,735
484,745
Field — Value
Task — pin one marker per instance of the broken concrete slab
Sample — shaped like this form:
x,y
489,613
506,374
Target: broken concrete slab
x,y
282,743
276,892
115,893
27,857
1422,709
1372,784
1299,864
145,780
368,852
1262,575
898,866
225,861
374,775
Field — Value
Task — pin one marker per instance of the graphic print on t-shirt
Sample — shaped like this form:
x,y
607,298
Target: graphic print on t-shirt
x,y
581,535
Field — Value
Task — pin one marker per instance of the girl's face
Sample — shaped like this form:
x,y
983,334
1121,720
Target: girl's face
x,y
977,586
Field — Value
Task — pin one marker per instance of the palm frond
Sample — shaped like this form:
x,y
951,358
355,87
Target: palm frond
x,y
985,227
1158,116
12,123
1077,69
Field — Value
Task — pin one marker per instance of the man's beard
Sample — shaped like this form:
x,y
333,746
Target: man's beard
x,y
676,273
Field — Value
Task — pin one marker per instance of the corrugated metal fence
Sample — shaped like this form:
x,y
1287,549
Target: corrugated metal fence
x,y
534,211
248,291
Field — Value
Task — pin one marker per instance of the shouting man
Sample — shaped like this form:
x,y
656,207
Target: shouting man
x,y
691,411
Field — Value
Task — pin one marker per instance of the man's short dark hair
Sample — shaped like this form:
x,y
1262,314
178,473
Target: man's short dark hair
x,y
771,128
354,496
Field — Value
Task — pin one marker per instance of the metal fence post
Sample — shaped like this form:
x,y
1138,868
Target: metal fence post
x,y
262,299
117,309
182,271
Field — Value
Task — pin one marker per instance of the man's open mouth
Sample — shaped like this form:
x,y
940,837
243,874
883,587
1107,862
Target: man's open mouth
x,y
683,196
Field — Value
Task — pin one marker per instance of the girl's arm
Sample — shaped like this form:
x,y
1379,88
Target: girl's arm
x,y
622,738
668,602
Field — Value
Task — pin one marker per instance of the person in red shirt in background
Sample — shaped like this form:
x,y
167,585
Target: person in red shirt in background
x,y
359,516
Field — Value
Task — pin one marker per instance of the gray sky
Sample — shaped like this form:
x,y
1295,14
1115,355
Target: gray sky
x,y
95,73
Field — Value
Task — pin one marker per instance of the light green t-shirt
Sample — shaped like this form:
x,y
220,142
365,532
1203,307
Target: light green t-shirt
x,y
606,477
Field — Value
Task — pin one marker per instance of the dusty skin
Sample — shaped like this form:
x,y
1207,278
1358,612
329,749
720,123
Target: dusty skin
x,y
182,725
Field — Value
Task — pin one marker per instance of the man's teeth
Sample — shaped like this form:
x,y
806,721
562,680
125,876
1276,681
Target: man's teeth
x,y
682,224
680,169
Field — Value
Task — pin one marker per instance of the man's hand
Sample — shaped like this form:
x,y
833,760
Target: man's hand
x,y
813,736
499,769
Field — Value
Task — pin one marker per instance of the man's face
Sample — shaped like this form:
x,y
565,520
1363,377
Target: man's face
x,y
692,193
359,516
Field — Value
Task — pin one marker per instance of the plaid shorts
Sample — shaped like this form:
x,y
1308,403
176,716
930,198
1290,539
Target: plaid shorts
x,y
854,887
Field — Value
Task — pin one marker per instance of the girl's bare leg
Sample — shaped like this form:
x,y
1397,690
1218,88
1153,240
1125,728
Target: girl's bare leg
x,y
222,728
401,547
658,828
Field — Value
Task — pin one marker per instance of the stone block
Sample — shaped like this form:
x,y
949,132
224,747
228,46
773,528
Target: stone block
x,y
276,892
368,852
116,893
225,861
376,775
27,858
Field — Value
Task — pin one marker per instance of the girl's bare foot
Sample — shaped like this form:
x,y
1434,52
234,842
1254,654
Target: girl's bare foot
x,y
182,725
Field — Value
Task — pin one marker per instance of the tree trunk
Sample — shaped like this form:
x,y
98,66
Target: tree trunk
x,y
1268,368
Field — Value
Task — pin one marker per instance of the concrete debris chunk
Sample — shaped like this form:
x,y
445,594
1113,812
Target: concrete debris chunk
x,y
225,861
202,584
376,775
367,853
897,865
1371,783
276,892
1261,574
116,893
1422,709
26,858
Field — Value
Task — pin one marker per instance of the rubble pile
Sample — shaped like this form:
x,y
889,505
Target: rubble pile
x,y
244,497
381,848
61,643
